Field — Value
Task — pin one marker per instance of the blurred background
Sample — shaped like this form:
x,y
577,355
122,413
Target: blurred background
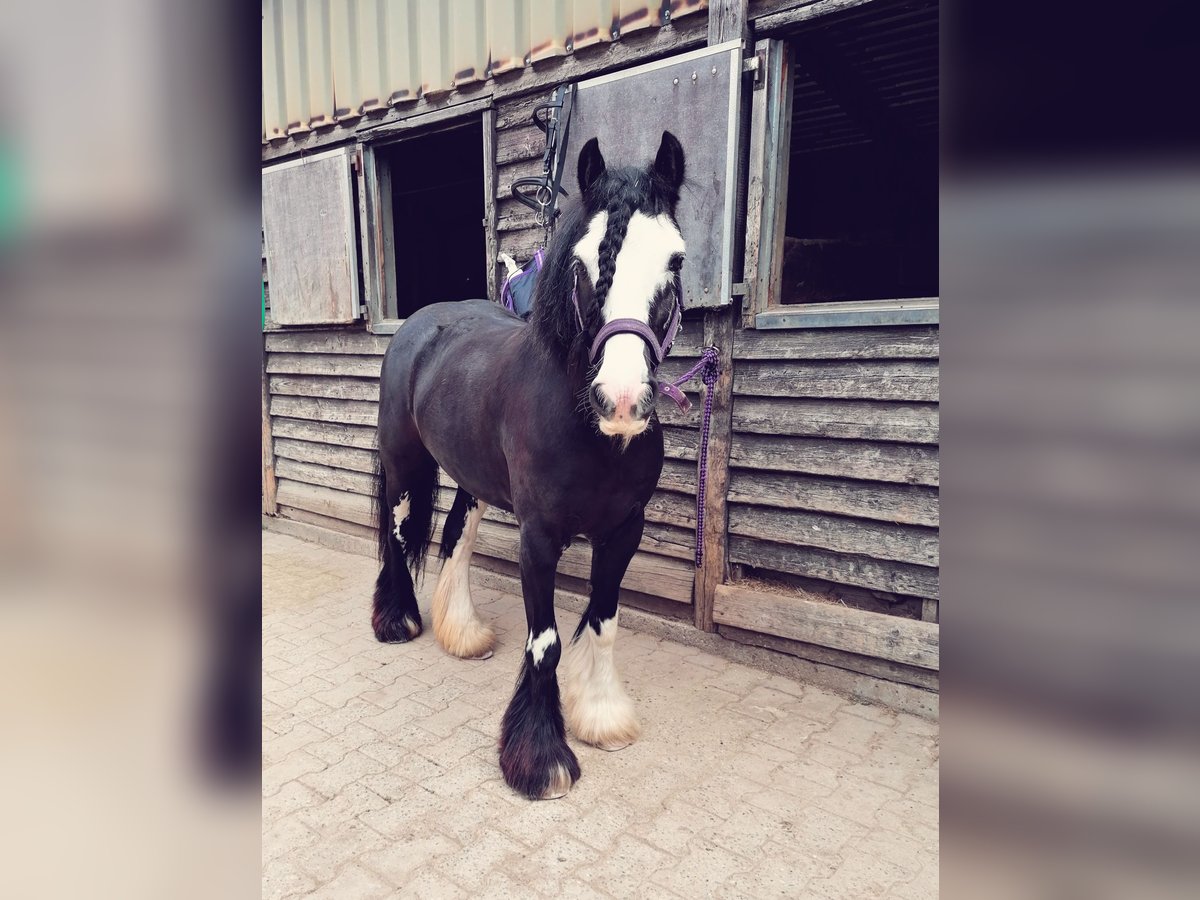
x,y
1070,232
129,543
129,428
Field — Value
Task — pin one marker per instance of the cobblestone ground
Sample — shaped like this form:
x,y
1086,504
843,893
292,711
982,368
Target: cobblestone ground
x,y
380,771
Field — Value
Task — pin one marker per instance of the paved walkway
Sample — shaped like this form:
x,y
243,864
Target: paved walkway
x,y
380,772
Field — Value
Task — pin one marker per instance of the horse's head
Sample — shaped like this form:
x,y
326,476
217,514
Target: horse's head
x,y
627,268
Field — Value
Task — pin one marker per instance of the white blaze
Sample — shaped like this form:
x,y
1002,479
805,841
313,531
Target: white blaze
x,y
641,271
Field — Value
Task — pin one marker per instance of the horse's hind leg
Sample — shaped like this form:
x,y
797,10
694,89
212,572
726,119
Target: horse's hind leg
x,y
405,517
457,626
598,710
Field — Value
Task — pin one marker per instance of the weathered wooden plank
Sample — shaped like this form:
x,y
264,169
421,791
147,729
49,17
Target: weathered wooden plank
x,y
679,477
349,458
517,113
516,220
680,443
339,525
671,509
904,342
884,673
491,240
906,380
343,340
323,409
344,505
325,386
521,245
326,476
519,144
905,504
895,577
308,215
358,366
323,432
904,463
658,537
659,576
901,640
904,543
321,534
869,420
507,174
669,540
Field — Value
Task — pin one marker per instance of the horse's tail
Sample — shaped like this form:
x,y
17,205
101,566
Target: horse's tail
x,y
383,515
415,534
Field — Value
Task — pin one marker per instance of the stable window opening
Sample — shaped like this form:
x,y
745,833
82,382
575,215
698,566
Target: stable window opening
x,y
860,218
431,243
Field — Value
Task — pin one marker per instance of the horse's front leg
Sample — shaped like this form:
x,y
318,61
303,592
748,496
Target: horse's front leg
x,y
598,709
534,755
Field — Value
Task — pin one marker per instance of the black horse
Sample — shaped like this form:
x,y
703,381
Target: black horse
x,y
553,421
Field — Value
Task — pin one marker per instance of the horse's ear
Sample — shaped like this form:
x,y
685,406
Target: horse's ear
x,y
669,164
591,165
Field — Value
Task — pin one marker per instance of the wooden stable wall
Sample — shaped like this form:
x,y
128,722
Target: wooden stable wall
x,y
322,399
832,539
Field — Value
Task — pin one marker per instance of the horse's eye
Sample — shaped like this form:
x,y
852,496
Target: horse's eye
x,y
675,264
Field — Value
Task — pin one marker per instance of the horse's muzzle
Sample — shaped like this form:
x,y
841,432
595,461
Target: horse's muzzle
x,y
624,410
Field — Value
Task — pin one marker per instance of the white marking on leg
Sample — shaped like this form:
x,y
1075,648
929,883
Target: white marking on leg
x,y
537,646
455,622
597,707
399,515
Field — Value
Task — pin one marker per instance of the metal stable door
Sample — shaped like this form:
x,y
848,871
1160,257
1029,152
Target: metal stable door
x,y
696,97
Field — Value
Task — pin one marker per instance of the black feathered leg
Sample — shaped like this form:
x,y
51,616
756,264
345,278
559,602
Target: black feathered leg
x,y
534,755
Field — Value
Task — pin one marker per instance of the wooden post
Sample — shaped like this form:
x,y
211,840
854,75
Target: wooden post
x,y
766,198
269,503
718,332
491,239
727,21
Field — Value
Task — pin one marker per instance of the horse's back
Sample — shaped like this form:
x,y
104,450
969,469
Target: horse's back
x,y
439,332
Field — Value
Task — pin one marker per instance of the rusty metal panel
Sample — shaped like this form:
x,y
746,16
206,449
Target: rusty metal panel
x,y
677,9
696,97
634,15
468,22
327,61
594,22
549,29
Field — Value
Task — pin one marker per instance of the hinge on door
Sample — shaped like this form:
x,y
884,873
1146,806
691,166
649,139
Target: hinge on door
x,y
356,162
753,64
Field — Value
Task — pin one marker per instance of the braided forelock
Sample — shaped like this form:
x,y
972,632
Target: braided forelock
x,y
620,211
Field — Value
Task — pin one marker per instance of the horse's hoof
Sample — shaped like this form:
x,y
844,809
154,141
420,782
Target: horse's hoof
x,y
560,784
486,654
545,775
397,629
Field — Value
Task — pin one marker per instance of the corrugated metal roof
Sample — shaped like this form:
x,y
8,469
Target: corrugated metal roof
x,y
328,61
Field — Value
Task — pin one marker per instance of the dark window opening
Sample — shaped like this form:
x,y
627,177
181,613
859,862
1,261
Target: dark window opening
x,y
438,239
862,206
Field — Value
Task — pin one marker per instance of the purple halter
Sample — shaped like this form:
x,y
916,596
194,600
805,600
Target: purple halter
x,y
646,333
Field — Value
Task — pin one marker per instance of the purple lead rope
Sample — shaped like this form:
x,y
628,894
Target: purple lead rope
x,y
710,365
